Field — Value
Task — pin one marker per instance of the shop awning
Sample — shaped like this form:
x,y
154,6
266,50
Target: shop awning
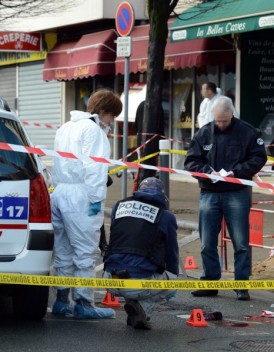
x,y
93,54
56,65
194,53
221,17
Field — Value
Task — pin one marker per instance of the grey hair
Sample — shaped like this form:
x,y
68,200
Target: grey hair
x,y
223,104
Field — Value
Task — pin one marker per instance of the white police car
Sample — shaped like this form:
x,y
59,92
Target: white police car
x,y
26,233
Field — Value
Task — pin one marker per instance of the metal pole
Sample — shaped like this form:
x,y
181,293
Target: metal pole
x,y
125,131
116,127
193,110
170,115
164,147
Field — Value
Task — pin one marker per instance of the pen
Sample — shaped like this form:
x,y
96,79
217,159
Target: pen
x,y
212,170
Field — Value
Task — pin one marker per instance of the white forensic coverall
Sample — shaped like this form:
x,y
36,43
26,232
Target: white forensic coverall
x,y
77,184
206,115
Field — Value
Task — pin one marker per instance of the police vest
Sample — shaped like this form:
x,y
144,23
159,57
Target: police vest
x,y
135,230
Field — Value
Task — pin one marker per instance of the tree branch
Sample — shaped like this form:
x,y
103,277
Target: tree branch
x,y
31,8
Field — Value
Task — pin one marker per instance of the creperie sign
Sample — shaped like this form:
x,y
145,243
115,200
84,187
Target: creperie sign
x,y
20,41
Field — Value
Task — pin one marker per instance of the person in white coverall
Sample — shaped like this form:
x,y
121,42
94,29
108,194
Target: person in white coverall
x,y
78,200
210,92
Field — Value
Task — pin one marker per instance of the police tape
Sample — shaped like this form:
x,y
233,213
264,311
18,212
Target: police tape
x,y
259,179
62,281
74,156
47,125
139,160
179,151
175,151
38,124
121,168
137,150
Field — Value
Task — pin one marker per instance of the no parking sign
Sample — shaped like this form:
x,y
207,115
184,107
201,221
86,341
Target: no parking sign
x,y
124,19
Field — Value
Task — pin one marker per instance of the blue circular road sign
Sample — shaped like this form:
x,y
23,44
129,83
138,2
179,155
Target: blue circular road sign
x,y
124,19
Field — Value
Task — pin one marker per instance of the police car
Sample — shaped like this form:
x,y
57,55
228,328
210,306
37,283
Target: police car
x,y
26,233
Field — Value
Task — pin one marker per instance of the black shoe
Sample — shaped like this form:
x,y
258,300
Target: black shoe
x,y
129,320
242,295
213,316
204,293
136,316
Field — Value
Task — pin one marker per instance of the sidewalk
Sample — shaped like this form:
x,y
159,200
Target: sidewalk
x,y
184,198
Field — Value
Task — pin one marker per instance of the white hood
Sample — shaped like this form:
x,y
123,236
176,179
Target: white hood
x,y
76,115
81,136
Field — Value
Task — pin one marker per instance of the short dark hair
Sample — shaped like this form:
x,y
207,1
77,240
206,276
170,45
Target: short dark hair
x,y
212,86
104,100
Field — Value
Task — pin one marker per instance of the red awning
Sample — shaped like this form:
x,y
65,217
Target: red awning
x,y
199,52
57,62
93,54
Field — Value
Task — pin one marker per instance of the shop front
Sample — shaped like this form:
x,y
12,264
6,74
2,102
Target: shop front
x,y
187,65
82,65
90,62
37,103
250,25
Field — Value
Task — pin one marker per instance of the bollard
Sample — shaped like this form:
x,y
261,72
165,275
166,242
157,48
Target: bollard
x,y
164,147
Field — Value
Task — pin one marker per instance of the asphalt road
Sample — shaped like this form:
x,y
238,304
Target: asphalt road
x,y
241,328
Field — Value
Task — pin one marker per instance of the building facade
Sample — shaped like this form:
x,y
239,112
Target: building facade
x,y
79,55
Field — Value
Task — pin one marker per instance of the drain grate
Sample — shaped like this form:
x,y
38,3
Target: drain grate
x,y
254,345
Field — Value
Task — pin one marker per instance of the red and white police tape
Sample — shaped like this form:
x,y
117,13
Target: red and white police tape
x,y
137,150
64,154
38,124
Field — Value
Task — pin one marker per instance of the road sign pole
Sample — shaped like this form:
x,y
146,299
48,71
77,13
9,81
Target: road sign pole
x,y
124,20
125,131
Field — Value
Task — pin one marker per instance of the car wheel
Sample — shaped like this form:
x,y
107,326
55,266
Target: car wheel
x,y
30,302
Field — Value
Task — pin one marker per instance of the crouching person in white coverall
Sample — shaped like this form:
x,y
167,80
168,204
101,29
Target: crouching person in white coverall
x,y
143,245
78,201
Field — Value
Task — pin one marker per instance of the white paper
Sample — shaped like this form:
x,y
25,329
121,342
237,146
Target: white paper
x,y
225,173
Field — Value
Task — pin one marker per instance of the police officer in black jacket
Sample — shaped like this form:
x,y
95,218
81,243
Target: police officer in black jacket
x,y
229,147
143,245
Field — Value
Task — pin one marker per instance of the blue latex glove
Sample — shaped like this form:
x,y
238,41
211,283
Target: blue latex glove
x,y
94,208
171,296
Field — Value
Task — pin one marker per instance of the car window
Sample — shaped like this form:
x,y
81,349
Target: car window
x,y
15,165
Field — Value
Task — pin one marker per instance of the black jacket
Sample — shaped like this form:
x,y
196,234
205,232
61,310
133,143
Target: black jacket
x,y
135,230
239,148
140,266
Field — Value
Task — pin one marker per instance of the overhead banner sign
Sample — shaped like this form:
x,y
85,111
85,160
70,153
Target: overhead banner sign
x,y
223,28
222,17
20,41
